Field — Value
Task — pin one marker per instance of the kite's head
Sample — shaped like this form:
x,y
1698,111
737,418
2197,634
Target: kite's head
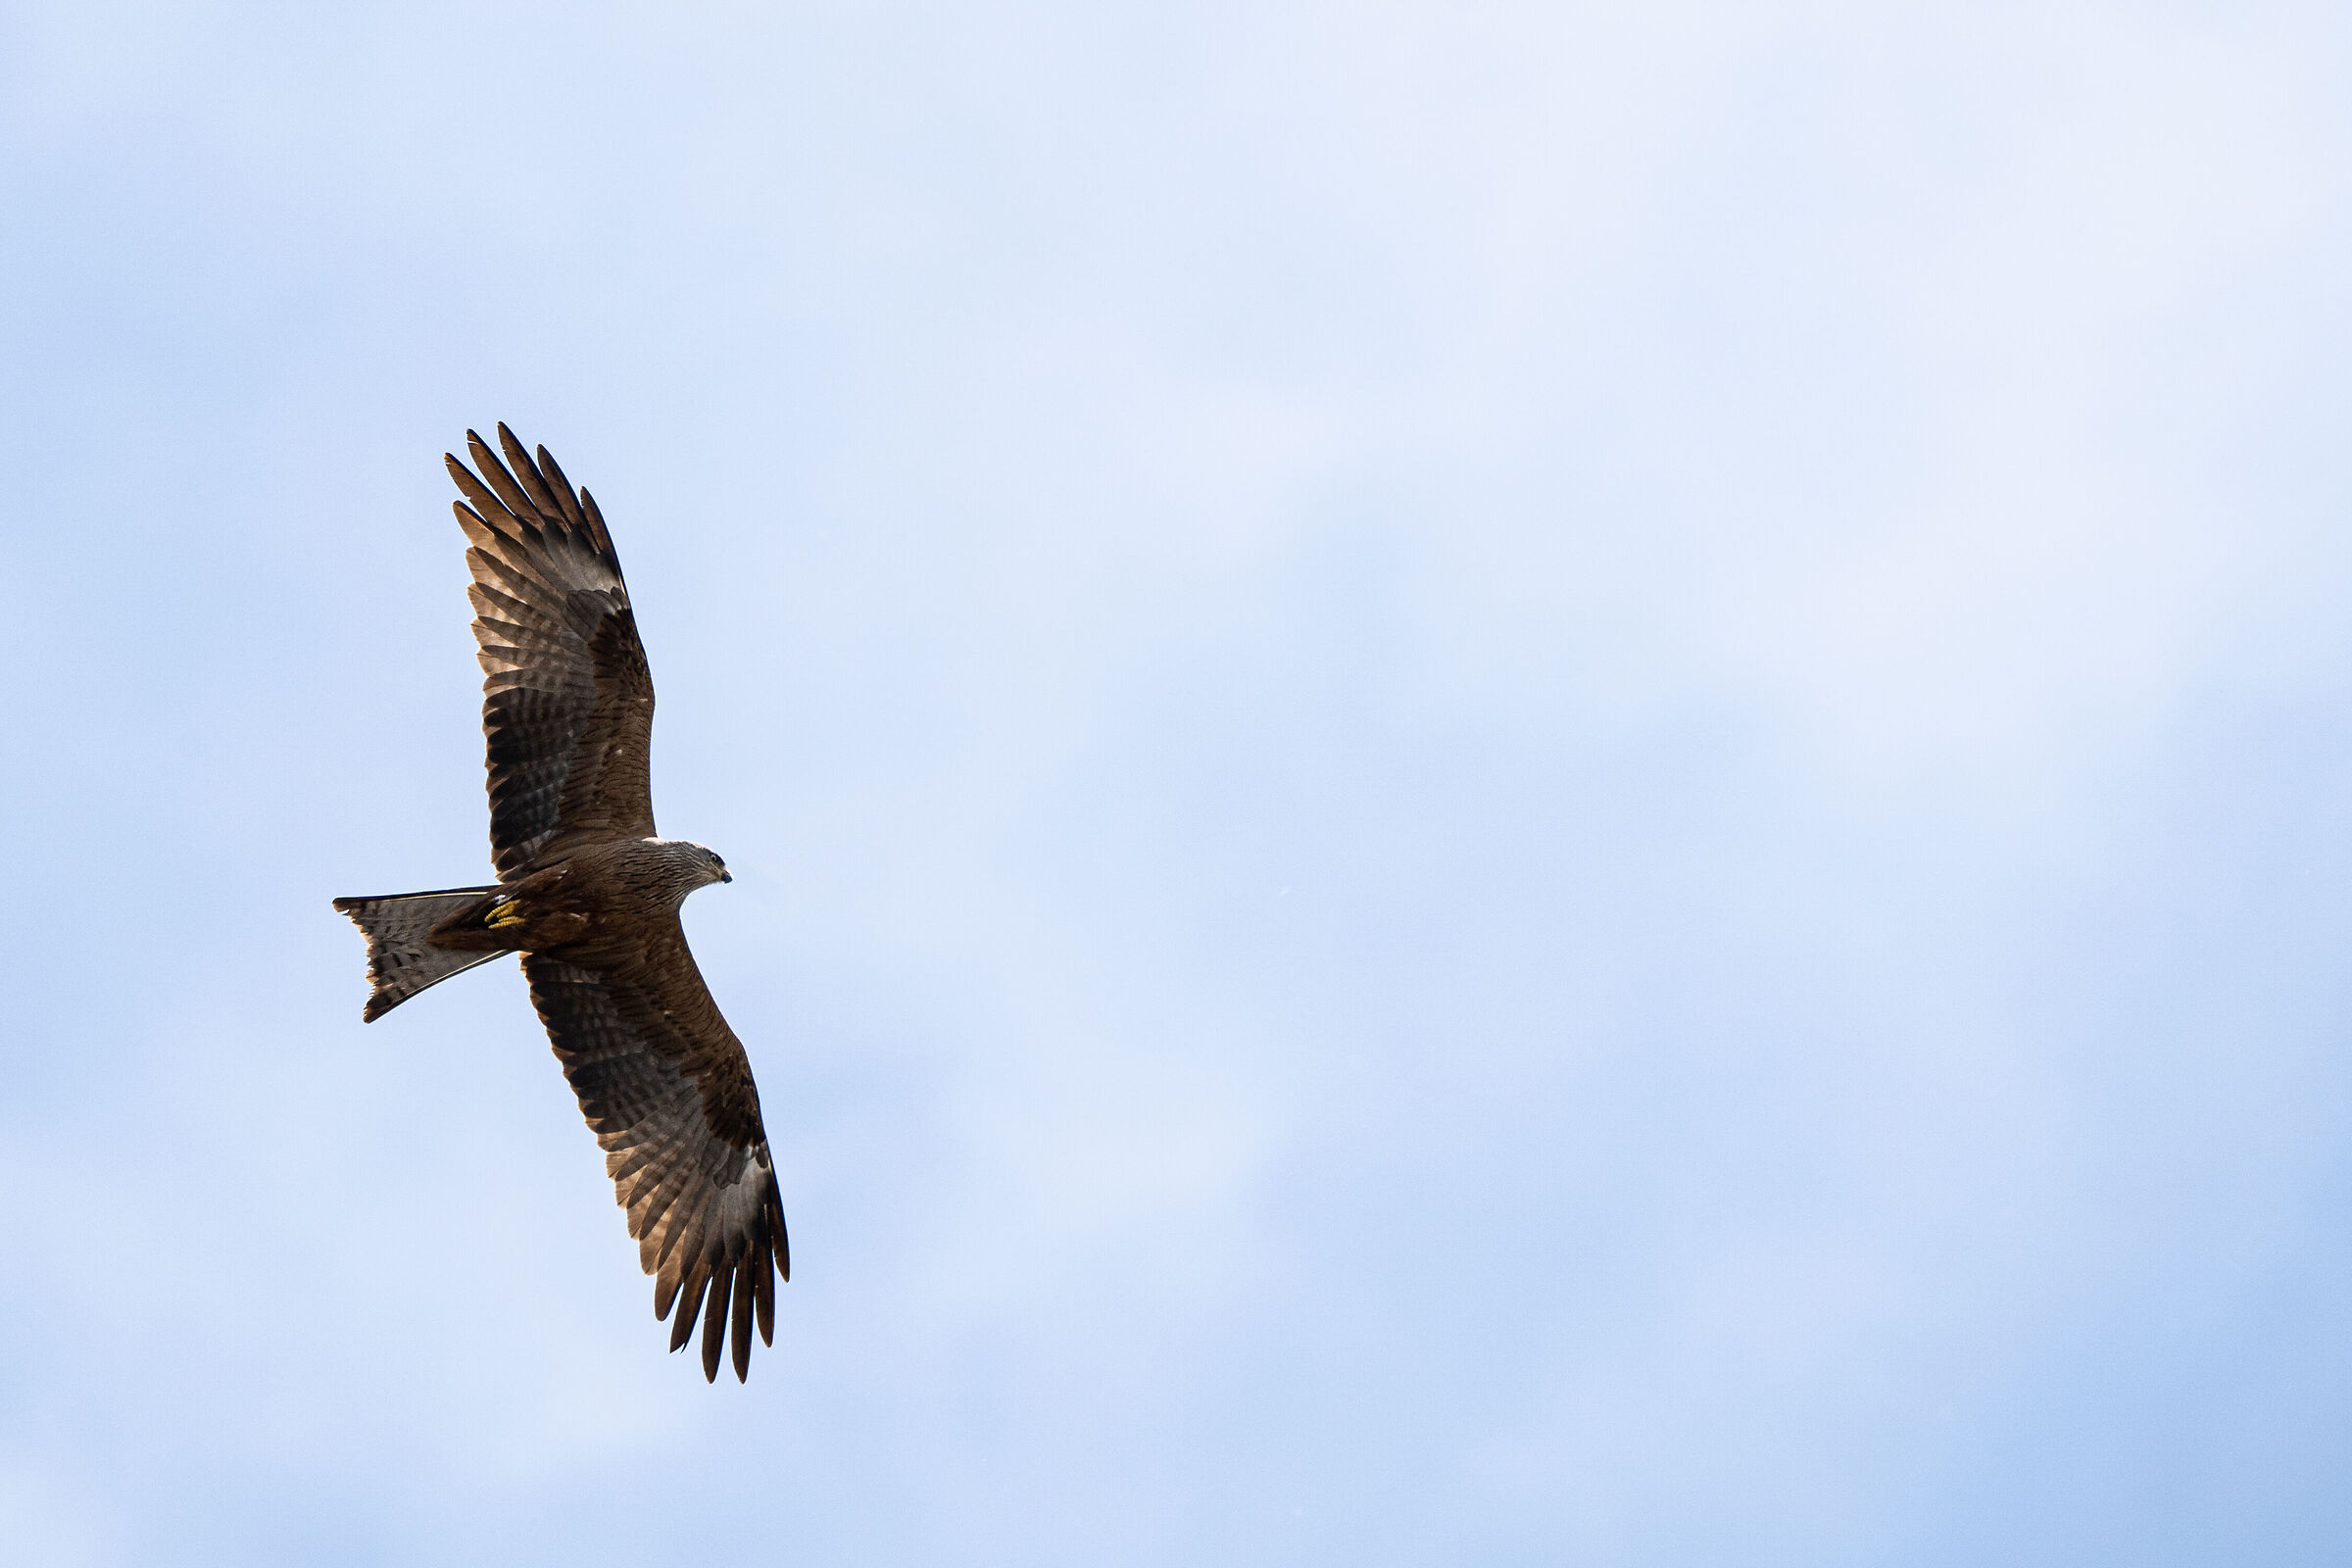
x,y
691,865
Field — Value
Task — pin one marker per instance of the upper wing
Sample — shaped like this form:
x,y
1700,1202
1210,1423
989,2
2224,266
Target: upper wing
x,y
668,1091
566,700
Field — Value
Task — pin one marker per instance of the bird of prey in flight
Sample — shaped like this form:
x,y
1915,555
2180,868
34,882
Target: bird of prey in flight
x,y
589,895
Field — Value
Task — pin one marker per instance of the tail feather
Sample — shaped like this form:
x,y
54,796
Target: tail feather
x,y
400,961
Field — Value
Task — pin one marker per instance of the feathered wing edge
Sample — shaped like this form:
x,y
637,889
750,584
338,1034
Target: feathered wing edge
x,y
732,1274
705,1212
546,582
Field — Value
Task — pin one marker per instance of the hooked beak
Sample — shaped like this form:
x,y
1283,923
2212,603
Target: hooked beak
x,y
726,876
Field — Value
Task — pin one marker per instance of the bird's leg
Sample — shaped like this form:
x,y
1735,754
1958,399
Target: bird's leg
x,y
518,917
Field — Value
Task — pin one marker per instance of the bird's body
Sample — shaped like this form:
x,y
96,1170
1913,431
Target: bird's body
x,y
598,905
588,894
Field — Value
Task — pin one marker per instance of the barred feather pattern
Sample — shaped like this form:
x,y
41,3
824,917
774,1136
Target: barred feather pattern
x,y
400,961
568,703
703,1208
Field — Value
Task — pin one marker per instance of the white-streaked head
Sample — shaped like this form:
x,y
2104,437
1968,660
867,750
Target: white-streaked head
x,y
699,861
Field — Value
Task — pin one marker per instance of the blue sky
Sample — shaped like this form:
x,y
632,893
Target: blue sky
x,y
1510,784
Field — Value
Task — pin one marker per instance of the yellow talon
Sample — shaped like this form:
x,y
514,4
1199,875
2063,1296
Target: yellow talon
x,y
504,915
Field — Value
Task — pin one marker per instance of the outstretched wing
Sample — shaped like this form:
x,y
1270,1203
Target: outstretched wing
x,y
668,1091
568,704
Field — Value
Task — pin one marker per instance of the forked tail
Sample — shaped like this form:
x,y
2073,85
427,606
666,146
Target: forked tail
x,y
400,961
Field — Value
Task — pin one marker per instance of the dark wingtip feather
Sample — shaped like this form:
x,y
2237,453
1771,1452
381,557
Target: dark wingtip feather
x,y
561,486
479,450
596,528
519,457
690,1307
516,453
485,500
741,1310
526,474
764,1293
504,485
714,1321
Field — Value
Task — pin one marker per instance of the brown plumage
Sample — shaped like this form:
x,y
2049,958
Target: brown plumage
x,y
589,896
